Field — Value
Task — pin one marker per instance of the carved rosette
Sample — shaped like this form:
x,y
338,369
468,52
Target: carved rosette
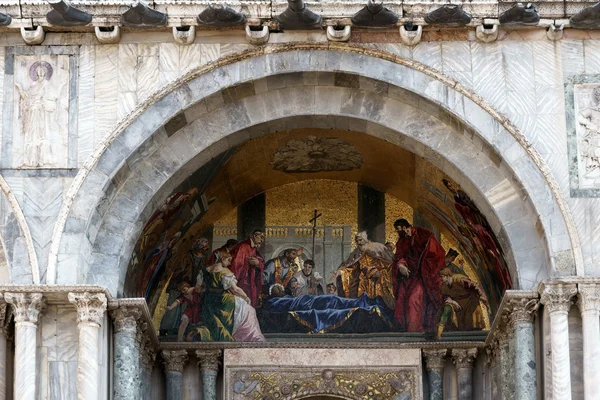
x,y
125,318
557,297
434,359
209,359
464,358
174,360
90,306
588,298
26,306
521,310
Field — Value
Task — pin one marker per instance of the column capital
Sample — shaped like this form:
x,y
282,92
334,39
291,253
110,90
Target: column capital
x,y
491,354
174,360
147,353
209,359
26,306
90,306
140,333
434,358
464,358
588,297
521,310
4,317
125,318
556,297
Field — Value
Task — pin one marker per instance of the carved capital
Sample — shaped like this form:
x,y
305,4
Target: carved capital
x,y
588,298
26,306
140,334
556,297
492,353
174,360
521,310
125,318
209,359
147,354
90,306
464,358
434,358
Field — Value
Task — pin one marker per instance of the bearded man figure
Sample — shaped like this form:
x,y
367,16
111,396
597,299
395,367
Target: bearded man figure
x,y
368,270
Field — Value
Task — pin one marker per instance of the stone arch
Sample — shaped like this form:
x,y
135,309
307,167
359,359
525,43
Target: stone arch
x,y
16,241
457,118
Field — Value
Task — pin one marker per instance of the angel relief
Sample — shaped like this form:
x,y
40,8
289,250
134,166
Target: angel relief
x,y
588,121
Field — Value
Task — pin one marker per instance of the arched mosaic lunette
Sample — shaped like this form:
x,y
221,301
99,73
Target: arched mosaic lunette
x,y
93,181
16,240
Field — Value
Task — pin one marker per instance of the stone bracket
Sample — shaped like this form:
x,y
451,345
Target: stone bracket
x,y
184,34
486,34
108,35
257,37
33,36
411,36
338,35
555,32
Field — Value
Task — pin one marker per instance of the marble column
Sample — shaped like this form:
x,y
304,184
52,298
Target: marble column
x,y
126,355
505,381
492,364
26,308
140,336
209,361
463,359
588,300
3,348
520,324
434,364
148,357
174,361
90,315
556,297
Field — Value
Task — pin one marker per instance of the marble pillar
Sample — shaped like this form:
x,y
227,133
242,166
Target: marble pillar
x,y
90,315
520,323
588,300
3,348
174,361
505,382
434,364
492,374
463,359
126,355
148,357
556,297
26,308
140,336
209,361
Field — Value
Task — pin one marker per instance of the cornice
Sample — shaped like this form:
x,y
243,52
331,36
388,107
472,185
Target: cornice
x,y
55,294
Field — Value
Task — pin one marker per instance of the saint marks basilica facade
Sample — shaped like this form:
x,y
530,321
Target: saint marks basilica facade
x,y
277,200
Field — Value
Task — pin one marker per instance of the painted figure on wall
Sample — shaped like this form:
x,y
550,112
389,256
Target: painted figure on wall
x,y
462,300
155,264
367,270
228,246
281,269
191,300
226,311
418,259
309,281
248,265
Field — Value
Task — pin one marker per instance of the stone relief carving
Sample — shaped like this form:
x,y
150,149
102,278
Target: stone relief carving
x,y
587,103
374,14
314,154
355,384
41,101
90,306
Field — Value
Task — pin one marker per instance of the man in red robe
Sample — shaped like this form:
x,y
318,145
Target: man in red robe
x,y
418,260
247,265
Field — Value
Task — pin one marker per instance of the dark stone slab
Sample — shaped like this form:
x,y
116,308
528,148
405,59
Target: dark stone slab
x,y
588,18
448,15
5,19
371,213
65,15
520,14
297,16
375,15
221,15
142,16
251,215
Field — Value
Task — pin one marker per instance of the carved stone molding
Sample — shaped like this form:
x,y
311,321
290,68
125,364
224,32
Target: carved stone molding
x,y
434,358
464,358
125,319
209,359
26,306
174,360
3,317
352,384
556,297
492,353
588,298
140,333
521,310
90,306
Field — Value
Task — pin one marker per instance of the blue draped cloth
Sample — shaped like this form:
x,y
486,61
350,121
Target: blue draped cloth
x,y
327,312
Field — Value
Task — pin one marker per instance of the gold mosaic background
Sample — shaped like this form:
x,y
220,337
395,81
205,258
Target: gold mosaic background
x,y
395,209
